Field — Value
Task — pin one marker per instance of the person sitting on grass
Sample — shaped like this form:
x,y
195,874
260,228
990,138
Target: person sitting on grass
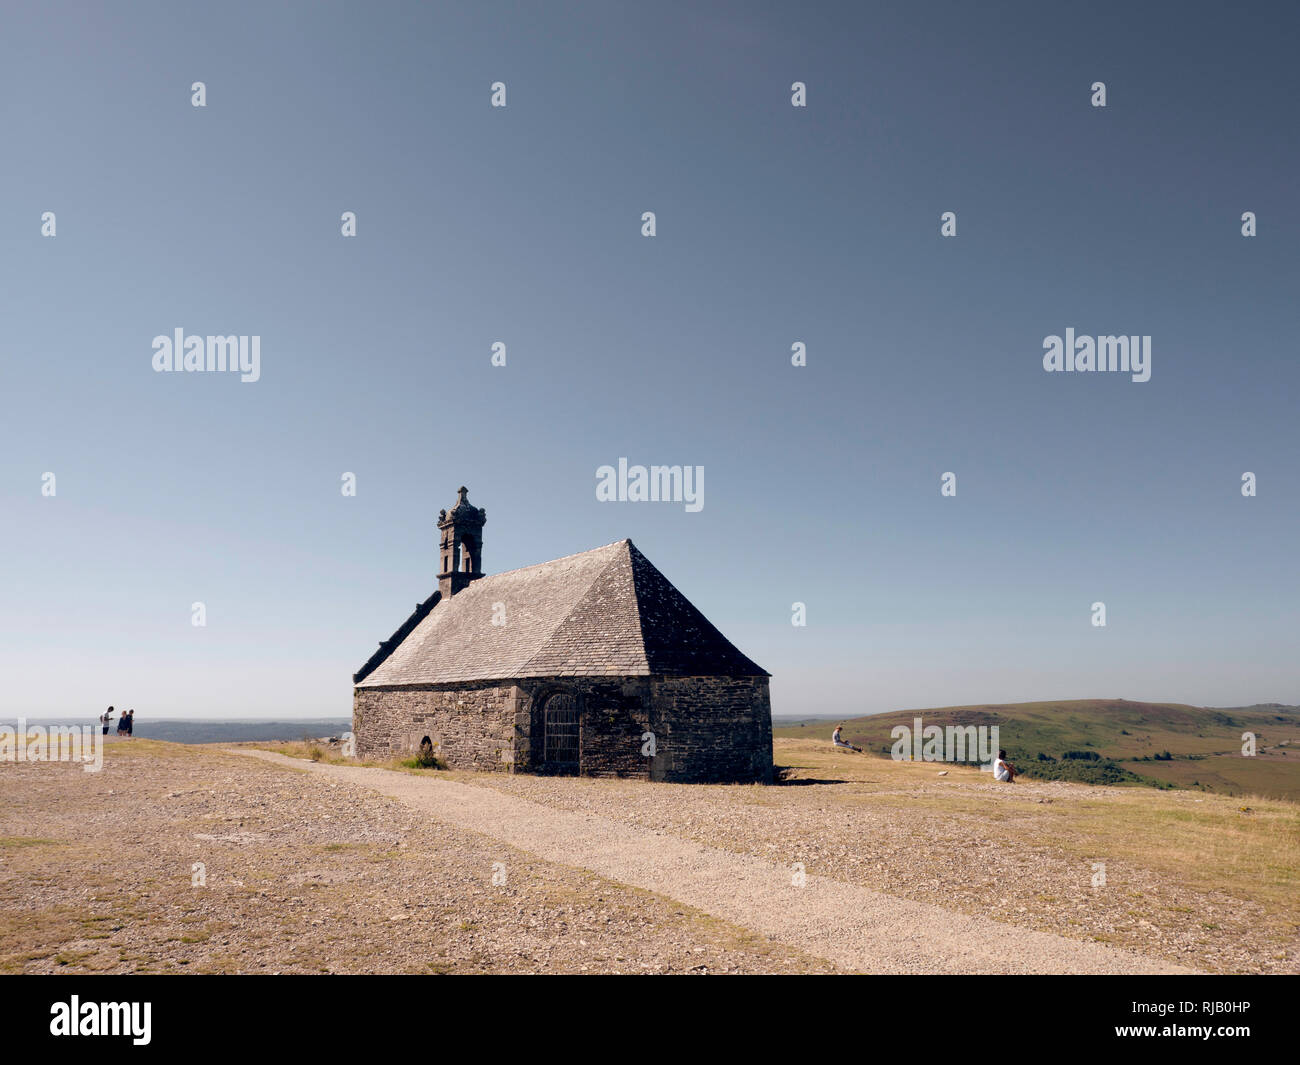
x,y
1003,770
840,741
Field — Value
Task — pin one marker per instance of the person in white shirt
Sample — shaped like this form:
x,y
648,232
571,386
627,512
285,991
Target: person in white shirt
x,y
840,741
1003,770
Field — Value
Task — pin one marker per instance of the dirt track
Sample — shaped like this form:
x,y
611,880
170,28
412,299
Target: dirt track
x,y
855,928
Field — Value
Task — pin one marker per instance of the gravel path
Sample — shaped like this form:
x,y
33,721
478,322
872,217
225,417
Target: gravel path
x,y
855,928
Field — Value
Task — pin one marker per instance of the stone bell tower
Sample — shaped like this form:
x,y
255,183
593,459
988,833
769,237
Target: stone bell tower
x,y
460,544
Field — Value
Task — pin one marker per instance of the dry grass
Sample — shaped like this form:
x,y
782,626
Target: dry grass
x,y
314,753
1207,842
306,750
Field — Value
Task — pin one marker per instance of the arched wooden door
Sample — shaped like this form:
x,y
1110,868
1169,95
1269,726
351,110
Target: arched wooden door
x,y
560,734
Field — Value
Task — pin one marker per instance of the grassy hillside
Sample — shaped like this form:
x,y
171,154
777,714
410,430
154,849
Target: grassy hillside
x,y
1114,741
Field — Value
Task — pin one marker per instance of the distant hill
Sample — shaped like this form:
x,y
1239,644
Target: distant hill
x,y
1115,741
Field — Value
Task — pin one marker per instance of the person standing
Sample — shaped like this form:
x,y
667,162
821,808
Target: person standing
x,y
106,719
130,722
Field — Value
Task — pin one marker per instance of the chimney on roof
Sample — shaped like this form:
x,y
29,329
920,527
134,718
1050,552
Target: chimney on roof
x,y
460,544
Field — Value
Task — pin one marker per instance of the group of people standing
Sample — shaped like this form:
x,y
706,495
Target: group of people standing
x,y
125,723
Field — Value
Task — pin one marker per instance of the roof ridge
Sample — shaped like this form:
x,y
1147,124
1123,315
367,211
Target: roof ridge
x,y
688,612
577,603
562,558
388,646
636,598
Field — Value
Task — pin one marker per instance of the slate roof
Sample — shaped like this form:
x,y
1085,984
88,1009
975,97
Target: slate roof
x,y
606,612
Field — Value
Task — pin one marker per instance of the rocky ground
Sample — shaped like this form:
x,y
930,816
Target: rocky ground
x,y
300,874
969,845
196,859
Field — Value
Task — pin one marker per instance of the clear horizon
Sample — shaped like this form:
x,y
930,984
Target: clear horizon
x,y
775,714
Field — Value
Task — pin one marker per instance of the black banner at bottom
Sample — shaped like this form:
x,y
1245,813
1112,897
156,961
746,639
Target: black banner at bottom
x,y
169,1013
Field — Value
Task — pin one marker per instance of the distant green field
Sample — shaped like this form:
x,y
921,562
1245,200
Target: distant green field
x,y
1114,741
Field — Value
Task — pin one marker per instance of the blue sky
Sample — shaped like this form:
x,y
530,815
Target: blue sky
x,y
775,224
